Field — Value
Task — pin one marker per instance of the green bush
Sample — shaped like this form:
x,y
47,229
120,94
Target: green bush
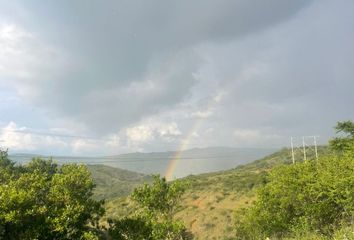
x,y
344,143
311,196
154,216
43,201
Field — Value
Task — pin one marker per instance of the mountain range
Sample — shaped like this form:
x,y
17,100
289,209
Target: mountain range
x,y
189,162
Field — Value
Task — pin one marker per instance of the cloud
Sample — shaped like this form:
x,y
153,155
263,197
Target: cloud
x,y
140,133
293,79
203,114
140,54
16,138
23,58
149,130
60,141
247,133
146,75
249,137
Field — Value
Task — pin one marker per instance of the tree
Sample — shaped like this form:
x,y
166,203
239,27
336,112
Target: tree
x,y
344,143
306,196
156,205
6,167
43,201
314,196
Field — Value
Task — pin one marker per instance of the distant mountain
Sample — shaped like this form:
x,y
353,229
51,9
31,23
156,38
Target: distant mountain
x,y
192,161
189,162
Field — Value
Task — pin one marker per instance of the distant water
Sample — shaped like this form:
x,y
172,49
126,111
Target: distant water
x,y
194,161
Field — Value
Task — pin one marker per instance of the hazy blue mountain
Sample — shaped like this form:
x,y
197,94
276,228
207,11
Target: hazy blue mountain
x,y
192,161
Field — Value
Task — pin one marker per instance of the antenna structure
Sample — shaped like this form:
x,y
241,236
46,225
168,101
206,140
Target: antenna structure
x,y
303,145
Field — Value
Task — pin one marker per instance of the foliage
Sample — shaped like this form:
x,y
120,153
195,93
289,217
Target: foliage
x,y
154,216
312,196
199,206
309,200
160,198
43,201
344,143
111,182
130,228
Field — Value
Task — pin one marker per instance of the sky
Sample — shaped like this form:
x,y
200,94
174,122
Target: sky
x,y
104,78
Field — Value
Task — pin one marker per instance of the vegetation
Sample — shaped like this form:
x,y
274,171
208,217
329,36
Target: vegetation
x,y
305,200
113,182
153,218
207,206
269,198
344,143
308,196
42,201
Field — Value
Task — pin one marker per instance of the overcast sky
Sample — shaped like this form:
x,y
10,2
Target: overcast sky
x,y
137,75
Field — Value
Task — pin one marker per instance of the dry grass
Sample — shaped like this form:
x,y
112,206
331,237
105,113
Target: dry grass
x,y
210,216
207,208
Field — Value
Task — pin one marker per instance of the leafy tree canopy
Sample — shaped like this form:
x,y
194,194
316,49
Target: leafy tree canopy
x,y
344,143
313,196
43,201
154,216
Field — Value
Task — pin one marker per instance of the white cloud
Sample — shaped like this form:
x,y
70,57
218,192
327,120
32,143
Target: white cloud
x,y
140,133
81,146
16,57
59,140
17,139
26,62
150,130
168,129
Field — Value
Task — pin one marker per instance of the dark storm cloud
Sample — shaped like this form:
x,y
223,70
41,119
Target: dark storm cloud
x,y
130,59
150,74
296,79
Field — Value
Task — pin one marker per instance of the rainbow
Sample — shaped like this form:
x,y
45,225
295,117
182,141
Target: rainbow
x,y
183,146
172,165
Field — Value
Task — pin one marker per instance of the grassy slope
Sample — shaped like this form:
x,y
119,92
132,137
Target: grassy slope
x,y
110,182
207,207
114,182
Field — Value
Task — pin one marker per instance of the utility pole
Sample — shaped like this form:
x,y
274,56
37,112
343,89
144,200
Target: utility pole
x,y
304,148
292,150
315,143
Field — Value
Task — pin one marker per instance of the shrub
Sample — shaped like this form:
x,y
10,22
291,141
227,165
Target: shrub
x,y
43,201
313,196
154,216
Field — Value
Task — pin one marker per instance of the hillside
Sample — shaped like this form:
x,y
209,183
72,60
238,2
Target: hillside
x,y
207,207
114,182
110,181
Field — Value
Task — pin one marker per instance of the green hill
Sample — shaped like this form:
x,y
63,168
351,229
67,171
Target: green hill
x,y
114,182
110,181
208,206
